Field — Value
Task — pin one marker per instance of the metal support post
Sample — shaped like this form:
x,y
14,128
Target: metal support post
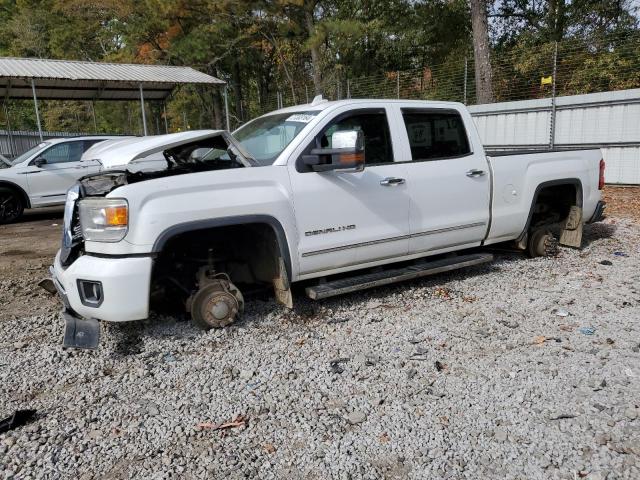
x,y
10,139
466,71
552,126
144,115
35,103
93,115
398,84
166,122
226,108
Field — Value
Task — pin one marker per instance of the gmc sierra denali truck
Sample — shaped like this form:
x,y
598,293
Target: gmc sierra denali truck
x,y
341,195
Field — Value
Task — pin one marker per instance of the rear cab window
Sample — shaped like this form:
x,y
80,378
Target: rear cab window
x,y
435,134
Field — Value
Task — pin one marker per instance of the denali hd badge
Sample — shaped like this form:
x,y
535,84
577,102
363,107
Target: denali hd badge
x,y
341,228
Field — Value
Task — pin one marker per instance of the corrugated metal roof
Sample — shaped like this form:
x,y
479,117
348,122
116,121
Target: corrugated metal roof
x,y
71,79
111,72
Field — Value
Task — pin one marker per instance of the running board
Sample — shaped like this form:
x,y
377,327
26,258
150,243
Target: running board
x,y
386,277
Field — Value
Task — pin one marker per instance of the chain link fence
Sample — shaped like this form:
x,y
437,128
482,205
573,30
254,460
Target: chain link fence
x,y
570,67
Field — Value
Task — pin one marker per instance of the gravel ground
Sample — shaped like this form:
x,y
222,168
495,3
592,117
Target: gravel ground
x,y
483,373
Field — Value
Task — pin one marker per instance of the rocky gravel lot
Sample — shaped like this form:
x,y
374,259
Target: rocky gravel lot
x,y
485,373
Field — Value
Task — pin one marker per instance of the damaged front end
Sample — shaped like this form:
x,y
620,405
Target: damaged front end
x,y
175,154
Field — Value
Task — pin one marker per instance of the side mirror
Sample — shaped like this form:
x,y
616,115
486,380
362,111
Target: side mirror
x,y
345,155
39,162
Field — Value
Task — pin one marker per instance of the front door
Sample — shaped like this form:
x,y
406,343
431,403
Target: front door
x,y
348,219
48,184
448,182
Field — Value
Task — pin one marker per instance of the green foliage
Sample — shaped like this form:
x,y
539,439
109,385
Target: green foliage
x,y
265,48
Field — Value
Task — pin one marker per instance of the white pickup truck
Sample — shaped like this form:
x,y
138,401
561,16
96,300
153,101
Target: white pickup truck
x,y
339,195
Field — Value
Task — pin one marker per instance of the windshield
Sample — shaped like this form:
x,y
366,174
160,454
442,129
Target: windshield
x,y
30,152
266,137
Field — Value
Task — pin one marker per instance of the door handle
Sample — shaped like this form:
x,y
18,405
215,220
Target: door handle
x,y
392,181
473,173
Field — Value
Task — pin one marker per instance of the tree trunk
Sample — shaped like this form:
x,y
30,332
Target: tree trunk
x,y
315,52
481,54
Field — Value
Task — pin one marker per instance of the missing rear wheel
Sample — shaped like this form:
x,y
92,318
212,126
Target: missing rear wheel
x,y
542,243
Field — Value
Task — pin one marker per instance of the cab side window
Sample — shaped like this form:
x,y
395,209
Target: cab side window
x,y
435,135
63,152
377,138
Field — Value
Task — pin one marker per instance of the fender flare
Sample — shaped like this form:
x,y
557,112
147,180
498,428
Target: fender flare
x,y
179,228
19,189
551,183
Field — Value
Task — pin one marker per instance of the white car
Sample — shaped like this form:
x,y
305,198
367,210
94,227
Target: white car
x,y
41,176
342,196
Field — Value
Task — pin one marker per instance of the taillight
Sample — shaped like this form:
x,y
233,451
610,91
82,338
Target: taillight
x,y
601,179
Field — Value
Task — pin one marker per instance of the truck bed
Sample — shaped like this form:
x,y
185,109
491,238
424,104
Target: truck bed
x,y
518,176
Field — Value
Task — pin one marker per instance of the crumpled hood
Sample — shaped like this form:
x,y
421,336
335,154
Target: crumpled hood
x,y
119,153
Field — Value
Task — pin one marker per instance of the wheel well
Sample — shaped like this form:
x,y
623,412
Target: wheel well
x,y
248,253
552,203
19,191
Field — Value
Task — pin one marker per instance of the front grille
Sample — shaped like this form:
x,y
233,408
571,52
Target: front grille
x,y
76,229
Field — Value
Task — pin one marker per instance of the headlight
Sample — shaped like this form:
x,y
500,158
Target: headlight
x,y
104,219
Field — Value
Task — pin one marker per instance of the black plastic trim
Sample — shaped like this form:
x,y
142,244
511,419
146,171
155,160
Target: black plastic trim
x,y
552,183
83,299
170,232
494,152
120,255
598,215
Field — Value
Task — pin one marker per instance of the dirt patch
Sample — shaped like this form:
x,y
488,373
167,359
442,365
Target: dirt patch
x,y
27,249
623,202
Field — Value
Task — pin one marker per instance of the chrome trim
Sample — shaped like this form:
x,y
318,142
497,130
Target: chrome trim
x,y
67,235
448,229
356,245
392,181
393,239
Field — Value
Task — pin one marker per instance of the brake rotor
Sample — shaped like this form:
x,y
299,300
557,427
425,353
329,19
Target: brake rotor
x,y
217,304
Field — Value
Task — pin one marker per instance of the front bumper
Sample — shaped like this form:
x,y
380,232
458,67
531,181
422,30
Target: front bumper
x,y
125,283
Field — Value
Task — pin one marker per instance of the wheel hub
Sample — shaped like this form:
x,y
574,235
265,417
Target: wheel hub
x,y
216,304
221,306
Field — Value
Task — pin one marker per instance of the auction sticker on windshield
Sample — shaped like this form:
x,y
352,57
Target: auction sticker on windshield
x,y
301,117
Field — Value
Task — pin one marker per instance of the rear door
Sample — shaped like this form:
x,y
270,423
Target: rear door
x,y
350,219
48,184
449,183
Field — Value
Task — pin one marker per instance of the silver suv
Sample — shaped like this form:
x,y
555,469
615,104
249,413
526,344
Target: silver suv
x,y
41,176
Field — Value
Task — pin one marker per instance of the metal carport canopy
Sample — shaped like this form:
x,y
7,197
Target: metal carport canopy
x,y
77,80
